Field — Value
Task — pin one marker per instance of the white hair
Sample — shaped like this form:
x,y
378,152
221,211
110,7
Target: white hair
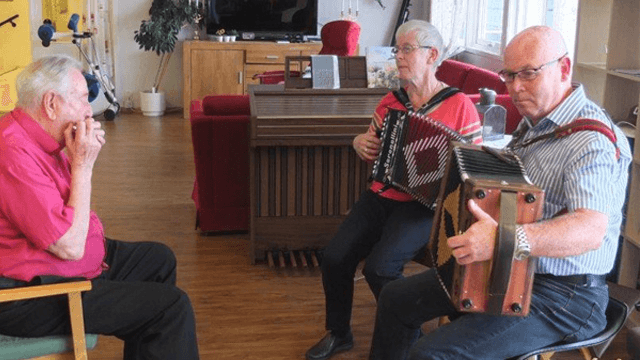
x,y
50,73
426,35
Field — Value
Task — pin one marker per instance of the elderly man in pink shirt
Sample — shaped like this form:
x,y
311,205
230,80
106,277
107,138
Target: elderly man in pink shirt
x,y
48,232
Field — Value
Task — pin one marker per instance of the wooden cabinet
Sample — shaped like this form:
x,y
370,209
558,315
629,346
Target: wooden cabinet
x,y
228,68
607,51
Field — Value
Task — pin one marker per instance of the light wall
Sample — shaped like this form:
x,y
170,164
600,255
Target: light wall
x,y
135,69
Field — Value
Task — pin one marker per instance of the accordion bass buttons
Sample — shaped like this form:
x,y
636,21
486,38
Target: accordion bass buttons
x,y
467,303
530,198
516,308
480,194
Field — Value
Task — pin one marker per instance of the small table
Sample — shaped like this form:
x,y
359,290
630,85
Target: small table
x,y
304,173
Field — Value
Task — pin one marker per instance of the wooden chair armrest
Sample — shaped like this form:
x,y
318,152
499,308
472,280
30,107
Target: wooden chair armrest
x,y
72,290
31,292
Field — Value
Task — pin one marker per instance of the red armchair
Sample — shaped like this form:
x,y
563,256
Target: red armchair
x,y
340,38
220,135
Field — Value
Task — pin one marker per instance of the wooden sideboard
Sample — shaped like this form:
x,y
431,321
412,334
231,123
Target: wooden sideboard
x,y
304,173
228,67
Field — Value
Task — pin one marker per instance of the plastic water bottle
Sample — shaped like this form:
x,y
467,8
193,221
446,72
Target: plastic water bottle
x,y
492,116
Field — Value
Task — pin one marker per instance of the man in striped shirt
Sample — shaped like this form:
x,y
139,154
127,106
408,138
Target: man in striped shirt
x,y
584,176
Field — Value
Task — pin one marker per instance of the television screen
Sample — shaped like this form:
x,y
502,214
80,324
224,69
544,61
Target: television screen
x,y
265,18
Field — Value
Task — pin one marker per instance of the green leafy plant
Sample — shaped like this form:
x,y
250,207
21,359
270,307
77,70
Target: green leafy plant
x,y
160,32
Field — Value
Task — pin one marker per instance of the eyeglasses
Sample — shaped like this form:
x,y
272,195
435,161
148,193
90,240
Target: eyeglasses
x,y
407,49
526,74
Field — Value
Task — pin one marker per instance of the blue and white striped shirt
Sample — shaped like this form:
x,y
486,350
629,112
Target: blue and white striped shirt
x,y
579,171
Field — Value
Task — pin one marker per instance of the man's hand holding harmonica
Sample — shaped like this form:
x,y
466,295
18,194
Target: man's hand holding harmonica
x,y
84,140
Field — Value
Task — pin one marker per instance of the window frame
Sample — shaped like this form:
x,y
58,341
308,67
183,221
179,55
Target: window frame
x,y
516,16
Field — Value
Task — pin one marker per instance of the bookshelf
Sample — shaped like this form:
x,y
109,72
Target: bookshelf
x,y
607,55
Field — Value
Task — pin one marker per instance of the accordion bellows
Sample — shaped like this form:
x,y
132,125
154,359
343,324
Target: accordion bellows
x,y
413,154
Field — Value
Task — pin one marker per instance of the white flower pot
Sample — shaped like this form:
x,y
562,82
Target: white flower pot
x,y
152,103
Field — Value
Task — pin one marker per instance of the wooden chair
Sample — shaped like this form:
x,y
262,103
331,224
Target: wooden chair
x,y
50,347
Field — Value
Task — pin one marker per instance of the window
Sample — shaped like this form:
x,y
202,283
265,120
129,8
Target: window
x,y
492,23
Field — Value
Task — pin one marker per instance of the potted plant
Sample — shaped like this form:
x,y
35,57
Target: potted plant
x,y
233,34
160,34
219,36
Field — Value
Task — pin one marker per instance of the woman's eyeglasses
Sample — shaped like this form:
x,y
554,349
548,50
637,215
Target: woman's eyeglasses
x,y
526,74
408,49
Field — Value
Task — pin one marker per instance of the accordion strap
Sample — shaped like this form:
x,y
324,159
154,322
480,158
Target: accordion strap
x,y
503,252
442,95
576,126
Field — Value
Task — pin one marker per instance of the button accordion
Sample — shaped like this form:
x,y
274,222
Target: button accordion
x,y
498,183
413,154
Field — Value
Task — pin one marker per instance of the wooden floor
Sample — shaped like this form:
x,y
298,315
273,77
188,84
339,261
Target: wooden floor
x,y
142,191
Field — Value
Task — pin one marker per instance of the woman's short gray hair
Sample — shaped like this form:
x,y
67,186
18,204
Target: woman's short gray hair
x,y
49,73
426,35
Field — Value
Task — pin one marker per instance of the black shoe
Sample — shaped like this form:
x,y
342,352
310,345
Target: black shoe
x,y
329,345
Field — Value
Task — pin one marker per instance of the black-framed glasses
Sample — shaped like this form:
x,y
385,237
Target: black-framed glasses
x,y
408,49
526,74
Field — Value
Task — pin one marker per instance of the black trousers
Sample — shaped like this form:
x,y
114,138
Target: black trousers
x,y
135,300
386,234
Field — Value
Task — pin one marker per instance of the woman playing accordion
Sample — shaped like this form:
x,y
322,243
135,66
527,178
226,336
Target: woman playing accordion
x,y
387,227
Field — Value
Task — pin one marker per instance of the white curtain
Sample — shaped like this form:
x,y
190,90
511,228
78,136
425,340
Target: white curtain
x,y
450,17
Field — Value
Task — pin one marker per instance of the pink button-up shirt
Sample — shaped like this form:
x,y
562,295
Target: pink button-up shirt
x,y
35,183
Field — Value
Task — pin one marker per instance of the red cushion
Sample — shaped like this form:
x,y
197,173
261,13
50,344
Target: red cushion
x,y
340,38
482,78
453,73
275,77
226,105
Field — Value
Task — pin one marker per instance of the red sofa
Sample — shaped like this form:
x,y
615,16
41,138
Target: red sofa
x,y
220,135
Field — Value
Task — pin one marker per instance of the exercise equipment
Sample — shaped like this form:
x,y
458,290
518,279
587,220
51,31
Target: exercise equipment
x,y
96,77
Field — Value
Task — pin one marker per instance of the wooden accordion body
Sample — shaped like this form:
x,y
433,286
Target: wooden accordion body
x,y
413,154
498,183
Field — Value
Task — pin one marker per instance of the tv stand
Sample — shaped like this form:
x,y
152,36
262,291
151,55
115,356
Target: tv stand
x,y
228,67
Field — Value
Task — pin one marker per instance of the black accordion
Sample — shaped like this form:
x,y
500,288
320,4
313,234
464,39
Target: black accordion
x,y
413,154
498,183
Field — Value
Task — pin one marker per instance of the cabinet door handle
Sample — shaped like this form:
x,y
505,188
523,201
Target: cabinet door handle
x,y
272,57
239,77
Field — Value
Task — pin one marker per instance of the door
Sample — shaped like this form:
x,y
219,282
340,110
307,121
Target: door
x,y
216,72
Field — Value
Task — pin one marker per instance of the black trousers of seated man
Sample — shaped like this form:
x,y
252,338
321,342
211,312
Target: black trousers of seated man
x,y
135,300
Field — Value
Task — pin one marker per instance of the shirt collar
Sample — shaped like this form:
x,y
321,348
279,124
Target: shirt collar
x,y
564,113
568,109
36,132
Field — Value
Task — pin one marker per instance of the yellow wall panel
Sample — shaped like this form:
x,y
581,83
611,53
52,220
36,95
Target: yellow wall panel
x,y
15,48
60,11
8,95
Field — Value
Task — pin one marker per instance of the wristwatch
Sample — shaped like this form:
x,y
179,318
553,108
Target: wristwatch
x,y
523,248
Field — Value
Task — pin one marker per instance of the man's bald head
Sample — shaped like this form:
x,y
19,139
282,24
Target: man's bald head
x,y
537,70
535,42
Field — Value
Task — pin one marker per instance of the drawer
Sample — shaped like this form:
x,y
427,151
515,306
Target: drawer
x,y
262,54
